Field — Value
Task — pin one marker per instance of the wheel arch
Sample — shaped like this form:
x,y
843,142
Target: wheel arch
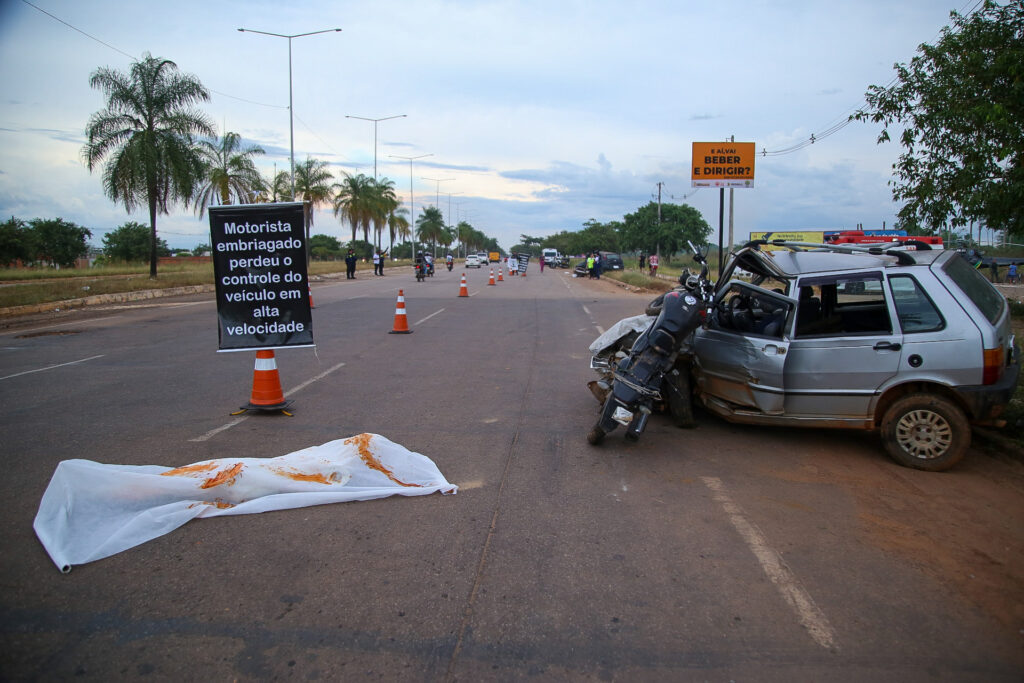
x,y
895,393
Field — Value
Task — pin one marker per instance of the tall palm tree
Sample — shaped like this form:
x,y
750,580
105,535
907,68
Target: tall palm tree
x,y
430,225
147,134
231,174
313,188
398,225
352,200
280,189
385,202
465,233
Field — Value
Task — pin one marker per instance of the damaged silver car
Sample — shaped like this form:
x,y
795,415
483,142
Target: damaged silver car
x,y
914,343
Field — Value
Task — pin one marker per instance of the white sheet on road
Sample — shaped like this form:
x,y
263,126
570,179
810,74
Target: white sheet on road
x,y
90,510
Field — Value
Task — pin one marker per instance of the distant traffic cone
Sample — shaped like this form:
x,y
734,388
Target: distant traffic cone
x,y
401,324
462,287
310,287
266,386
491,283
500,278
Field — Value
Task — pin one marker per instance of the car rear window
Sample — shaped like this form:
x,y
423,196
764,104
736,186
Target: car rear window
x,y
978,289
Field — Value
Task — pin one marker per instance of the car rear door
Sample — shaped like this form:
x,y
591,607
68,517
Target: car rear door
x,y
844,347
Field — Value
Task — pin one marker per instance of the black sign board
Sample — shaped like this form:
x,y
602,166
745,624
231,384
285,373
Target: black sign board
x,y
259,264
524,260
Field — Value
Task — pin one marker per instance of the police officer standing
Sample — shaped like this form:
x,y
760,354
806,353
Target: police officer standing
x,y
350,265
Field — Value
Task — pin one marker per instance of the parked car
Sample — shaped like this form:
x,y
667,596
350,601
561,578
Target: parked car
x,y
916,344
473,261
610,261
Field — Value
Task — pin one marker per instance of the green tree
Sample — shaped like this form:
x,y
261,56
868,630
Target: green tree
x,y
398,226
313,187
202,250
15,241
385,202
641,230
324,246
353,201
58,242
430,225
961,105
230,172
146,133
130,242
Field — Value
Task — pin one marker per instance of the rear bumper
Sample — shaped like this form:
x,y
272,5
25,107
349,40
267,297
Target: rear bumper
x,y
986,403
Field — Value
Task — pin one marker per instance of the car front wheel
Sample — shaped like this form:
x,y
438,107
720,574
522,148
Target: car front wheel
x,y
925,432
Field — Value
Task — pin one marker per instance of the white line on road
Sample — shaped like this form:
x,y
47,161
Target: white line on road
x,y
51,367
239,420
773,565
418,322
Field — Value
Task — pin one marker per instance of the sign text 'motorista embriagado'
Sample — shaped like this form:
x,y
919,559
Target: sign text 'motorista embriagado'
x,y
259,264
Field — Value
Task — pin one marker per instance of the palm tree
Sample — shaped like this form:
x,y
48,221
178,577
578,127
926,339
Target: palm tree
x,y
313,188
430,225
280,189
352,200
398,225
147,133
385,202
231,173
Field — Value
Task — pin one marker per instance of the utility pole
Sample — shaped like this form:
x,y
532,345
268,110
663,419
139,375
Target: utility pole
x,y
657,247
732,138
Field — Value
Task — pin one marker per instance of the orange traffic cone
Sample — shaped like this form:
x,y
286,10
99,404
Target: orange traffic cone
x,y
266,386
310,287
401,324
500,278
491,283
462,287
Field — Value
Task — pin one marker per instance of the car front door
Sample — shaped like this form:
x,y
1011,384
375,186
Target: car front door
x,y
741,355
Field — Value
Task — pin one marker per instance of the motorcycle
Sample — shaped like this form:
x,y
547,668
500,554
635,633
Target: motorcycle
x,y
654,374
421,271
450,265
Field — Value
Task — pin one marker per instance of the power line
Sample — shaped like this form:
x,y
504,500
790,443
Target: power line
x,y
847,117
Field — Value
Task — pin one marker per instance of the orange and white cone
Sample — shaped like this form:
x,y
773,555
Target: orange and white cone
x,y
401,324
463,291
266,386
491,283
500,278
310,287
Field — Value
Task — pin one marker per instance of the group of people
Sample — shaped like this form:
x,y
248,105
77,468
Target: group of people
x,y
651,262
351,259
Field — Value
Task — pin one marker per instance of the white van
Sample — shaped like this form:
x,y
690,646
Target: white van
x,y
552,258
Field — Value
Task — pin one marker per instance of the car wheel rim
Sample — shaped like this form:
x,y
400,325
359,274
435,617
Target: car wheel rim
x,y
924,434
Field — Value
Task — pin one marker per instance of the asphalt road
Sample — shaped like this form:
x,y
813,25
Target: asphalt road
x,y
721,553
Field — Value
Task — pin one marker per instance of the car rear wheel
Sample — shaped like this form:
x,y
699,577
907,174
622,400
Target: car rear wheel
x,y
926,432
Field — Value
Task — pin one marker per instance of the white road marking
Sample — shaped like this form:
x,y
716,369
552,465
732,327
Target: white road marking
x,y
775,567
51,327
51,367
423,320
238,420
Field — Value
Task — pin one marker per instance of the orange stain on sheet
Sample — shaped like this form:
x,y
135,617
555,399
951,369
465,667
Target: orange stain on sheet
x,y
189,469
225,476
299,476
362,441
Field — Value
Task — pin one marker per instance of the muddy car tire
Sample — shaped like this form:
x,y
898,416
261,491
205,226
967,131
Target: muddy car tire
x,y
925,432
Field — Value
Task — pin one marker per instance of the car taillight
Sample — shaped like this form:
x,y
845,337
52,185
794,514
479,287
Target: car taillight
x,y
995,361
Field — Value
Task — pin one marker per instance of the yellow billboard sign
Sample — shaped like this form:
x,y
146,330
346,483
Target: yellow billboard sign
x,y
816,236
723,164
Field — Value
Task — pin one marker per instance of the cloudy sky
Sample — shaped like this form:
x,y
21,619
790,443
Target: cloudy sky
x,y
538,114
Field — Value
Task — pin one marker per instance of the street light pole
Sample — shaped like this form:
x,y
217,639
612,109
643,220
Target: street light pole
x,y
437,198
291,110
412,202
375,121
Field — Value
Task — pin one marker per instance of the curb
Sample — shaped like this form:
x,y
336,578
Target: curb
x,y
119,297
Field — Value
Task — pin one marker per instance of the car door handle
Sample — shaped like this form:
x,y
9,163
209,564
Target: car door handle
x,y
887,346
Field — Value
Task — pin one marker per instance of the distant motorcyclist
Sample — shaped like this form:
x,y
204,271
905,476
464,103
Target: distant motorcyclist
x,y
449,261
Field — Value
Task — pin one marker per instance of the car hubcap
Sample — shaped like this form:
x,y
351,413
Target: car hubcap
x,y
924,434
